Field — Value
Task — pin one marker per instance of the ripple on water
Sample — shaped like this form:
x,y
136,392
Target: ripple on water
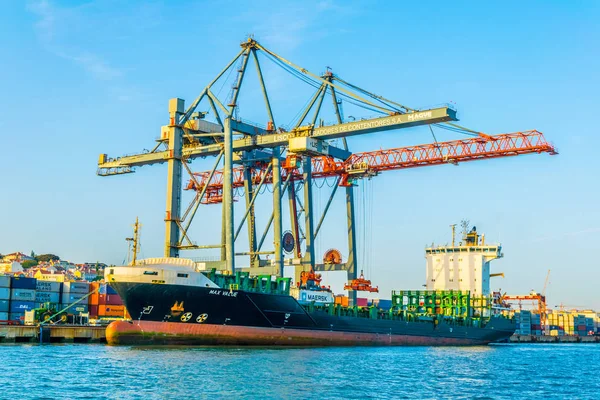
x,y
489,372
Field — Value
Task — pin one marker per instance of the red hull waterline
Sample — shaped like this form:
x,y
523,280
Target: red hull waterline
x,y
173,333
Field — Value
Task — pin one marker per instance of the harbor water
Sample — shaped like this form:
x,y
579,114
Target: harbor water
x,y
84,371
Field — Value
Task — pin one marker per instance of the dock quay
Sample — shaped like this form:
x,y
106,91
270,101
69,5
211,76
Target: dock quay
x,y
553,339
52,334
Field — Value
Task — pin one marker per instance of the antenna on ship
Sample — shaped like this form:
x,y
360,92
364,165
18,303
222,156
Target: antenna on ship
x,y
134,242
453,226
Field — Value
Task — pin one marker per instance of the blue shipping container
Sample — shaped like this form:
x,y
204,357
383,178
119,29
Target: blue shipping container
x,y
385,304
21,306
23,283
76,287
4,281
47,286
16,317
4,316
4,293
22,294
106,289
4,306
50,297
68,298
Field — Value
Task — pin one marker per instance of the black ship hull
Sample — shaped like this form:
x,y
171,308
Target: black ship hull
x,y
176,314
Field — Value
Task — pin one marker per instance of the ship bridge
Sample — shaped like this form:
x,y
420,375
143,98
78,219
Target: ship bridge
x,y
465,266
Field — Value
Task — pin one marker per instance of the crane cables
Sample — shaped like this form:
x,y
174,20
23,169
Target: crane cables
x,y
388,105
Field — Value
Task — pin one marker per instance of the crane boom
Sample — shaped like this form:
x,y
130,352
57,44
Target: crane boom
x,y
126,164
373,162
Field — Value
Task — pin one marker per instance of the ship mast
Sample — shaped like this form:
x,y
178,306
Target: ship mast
x,y
135,240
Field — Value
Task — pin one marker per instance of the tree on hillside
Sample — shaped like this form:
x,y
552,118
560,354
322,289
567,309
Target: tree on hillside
x,y
32,254
47,257
29,263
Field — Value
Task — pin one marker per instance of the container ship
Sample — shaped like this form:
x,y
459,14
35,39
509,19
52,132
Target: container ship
x,y
172,301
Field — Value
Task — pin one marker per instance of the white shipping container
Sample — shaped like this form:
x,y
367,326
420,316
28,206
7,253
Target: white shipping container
x,y
4,281
22,294
76,287
46,286
4,293
47,297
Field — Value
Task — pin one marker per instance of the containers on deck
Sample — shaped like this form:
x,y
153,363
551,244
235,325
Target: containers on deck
x,y
342,300
362,301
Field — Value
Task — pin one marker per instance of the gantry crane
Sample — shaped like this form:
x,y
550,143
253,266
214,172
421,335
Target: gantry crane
x,y
538,301
189,135
371,163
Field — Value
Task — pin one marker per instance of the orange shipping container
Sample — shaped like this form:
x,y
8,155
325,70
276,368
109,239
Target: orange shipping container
x,y
93,300
342,300
111,311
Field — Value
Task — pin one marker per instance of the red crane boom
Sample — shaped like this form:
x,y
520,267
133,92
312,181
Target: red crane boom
x,y
360,165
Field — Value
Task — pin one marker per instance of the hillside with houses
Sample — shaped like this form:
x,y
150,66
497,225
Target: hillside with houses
x,y
49,267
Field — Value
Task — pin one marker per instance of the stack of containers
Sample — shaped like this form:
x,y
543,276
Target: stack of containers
x,y
362,301
105,302
555,327
568,324
4,297
22,297
589,325
579,322
73,292
536,324
47,292
525,323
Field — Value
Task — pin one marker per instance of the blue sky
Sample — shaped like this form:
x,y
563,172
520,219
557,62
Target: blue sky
x,y
83,78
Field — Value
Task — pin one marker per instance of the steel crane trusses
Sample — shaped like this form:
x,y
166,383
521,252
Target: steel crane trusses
x,y
203,138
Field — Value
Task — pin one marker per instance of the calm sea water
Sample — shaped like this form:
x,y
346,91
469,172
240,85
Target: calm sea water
x,y
492,372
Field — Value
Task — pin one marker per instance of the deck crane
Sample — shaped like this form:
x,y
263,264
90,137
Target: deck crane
x,y
188,136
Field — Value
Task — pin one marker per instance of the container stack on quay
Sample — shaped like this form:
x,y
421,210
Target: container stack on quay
x,y
558,323
22,297
75,292
4,297
104,302
47,292
19,294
